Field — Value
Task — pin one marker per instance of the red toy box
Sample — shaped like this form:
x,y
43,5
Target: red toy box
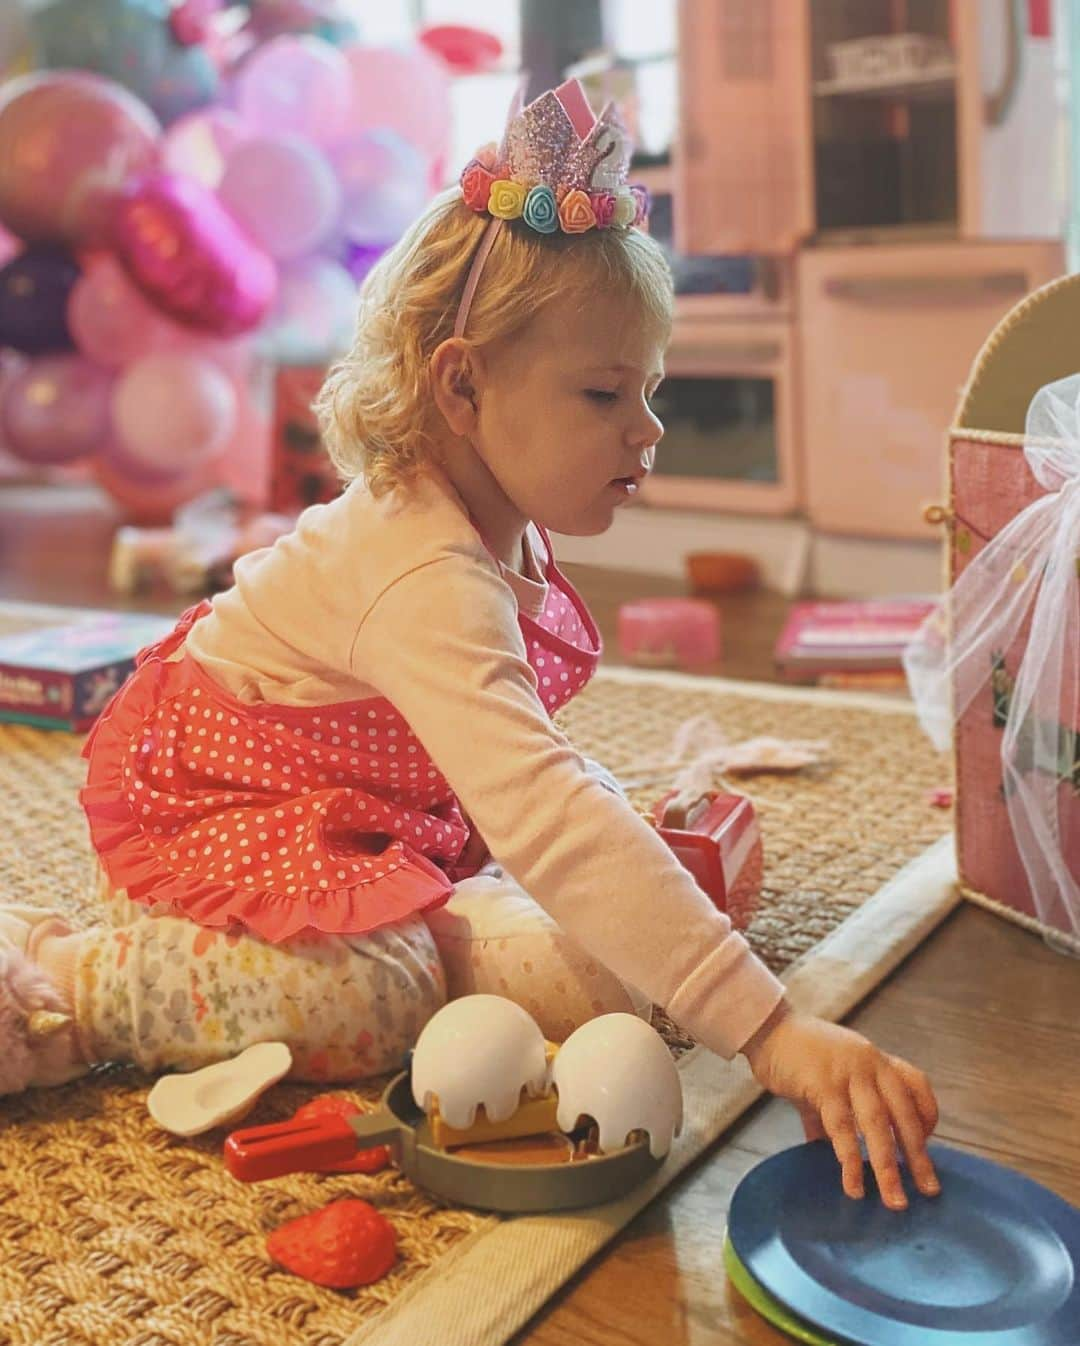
x,y
719,841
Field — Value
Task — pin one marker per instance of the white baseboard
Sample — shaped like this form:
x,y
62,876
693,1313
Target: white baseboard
x,y
794,558
860,567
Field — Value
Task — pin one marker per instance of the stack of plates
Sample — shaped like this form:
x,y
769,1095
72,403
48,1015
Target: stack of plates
x,y
993,1261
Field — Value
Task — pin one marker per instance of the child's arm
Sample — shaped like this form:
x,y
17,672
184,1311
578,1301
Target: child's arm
x,y
476,851
444,645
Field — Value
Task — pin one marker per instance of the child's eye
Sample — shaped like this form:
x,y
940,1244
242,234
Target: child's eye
x,y
601,394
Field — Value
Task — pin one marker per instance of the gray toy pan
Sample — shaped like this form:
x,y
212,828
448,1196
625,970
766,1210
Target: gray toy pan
x,y
295,1147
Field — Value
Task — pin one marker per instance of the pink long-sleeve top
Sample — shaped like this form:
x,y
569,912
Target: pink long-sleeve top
x,y
396,599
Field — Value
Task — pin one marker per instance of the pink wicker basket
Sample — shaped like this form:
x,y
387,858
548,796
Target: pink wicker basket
x,y
989,484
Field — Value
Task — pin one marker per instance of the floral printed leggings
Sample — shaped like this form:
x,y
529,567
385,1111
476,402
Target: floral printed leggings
x,y
164,993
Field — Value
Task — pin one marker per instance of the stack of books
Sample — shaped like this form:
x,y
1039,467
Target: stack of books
x,y
849,643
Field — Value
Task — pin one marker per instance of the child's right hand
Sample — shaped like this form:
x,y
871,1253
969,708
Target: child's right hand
x,y
842,1086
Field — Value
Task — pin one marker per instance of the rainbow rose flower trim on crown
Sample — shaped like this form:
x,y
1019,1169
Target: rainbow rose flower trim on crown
x,y
507,199
476,185
603,207
625,207
541,210
557,167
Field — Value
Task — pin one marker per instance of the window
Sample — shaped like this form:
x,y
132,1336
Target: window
x,y
478,102
643,37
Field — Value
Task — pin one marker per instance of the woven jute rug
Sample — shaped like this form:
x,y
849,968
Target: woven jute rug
x,y
114,1233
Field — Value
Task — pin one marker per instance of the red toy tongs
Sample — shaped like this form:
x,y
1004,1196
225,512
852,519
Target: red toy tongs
x,y
310,1145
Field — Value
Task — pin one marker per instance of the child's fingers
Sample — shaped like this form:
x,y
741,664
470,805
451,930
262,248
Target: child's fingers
x,y
921,1091
811,1122
839,1126
907,1122
875,1122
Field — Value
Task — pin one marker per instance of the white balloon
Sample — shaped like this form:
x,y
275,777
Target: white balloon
x,y
313,316
384,184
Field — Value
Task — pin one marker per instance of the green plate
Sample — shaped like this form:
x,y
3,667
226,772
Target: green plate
x,y
770,1309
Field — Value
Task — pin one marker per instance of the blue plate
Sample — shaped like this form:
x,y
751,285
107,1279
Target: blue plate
x,y
993,1261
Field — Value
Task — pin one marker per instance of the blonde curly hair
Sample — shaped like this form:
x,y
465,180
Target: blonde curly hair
x,y
375,410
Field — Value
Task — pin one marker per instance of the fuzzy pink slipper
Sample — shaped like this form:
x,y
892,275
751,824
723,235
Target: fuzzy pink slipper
x,y
35,1029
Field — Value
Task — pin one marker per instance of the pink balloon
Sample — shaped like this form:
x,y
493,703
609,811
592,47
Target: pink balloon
x,y
284,192
68,141
112,324
295,84
380,77
200,143
108,318
56,409
232,356
9,246
10,364
152,495
190,257
244,467
145,501
173,410
137,473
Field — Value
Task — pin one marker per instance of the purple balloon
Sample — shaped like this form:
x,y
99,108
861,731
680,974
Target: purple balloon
x,y
56,409
189,256
34,292
359,258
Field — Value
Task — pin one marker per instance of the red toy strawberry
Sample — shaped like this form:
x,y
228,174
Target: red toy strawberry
x,y
373,1160
346,1244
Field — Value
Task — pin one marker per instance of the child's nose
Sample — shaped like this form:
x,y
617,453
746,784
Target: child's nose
x,y
648,430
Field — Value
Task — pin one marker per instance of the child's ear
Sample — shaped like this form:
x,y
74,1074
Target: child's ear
x,y
454,366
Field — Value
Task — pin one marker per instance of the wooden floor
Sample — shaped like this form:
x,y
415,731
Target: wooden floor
x,y
986,1008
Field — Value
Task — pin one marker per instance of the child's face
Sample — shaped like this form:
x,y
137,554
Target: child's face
x,y
565,425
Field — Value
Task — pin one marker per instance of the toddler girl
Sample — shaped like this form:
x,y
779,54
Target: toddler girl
x,y
335,795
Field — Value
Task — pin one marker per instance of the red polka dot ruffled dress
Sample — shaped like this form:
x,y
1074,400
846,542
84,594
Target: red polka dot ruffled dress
x,y
284,819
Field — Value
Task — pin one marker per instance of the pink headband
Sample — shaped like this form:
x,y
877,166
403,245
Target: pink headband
x,y
558,167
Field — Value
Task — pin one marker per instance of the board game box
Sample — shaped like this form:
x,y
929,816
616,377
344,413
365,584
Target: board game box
x,y
59,666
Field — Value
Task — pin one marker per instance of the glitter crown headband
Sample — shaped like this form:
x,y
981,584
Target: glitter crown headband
x,y
558,167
